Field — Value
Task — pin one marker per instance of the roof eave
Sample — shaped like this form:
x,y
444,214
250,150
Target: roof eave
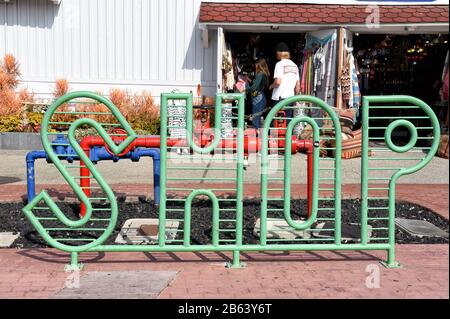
x,y
400,28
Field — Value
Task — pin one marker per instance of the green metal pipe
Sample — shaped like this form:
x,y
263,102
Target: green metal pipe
x,y
215,216
367,101
54,158
222,248
287,176
236,245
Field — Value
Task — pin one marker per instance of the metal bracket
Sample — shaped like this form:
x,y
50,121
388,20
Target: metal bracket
x,y
394,265
240,265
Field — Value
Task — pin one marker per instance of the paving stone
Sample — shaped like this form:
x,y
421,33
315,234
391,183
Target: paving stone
x,y
349,232
279,228
119,285
7,239
132,231
420,228
132,199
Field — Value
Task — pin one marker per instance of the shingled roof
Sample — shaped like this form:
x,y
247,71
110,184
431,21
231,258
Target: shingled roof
x,y
318,13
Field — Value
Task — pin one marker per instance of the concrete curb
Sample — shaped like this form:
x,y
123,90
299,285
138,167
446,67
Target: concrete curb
x,y
20,141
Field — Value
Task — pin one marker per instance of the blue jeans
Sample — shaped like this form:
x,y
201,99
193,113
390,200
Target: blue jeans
x,y
258,106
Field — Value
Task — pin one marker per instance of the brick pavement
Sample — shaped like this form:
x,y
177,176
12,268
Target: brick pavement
x,y
38,273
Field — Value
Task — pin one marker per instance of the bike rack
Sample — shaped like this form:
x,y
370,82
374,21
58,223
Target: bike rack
x,y
229,152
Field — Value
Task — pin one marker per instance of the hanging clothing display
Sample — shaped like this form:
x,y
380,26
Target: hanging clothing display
x,y
229,80
227,66
356,93
318,72
330,71
445,70
317,69
345,82
348,83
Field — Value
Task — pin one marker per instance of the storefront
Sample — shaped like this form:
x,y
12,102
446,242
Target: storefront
x,y
343,51
402,64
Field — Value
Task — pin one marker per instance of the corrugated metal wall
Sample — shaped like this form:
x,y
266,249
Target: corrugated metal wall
x,y
99,44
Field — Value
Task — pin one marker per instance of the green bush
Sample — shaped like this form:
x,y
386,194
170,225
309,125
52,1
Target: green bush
x,y
13,123
147,127
34,121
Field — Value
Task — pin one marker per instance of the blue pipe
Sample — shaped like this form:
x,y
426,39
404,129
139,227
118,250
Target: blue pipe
x,y
97,154
155,154
31,183
101,154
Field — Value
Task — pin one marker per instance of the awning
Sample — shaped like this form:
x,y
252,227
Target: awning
x,y
358,18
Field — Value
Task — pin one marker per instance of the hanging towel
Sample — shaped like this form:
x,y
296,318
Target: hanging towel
x,y
329,71
346,83
355,101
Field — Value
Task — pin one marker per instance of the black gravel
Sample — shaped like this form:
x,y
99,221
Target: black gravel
x,y
12,219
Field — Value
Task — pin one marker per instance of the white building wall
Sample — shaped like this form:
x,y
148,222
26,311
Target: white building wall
x,y
154,45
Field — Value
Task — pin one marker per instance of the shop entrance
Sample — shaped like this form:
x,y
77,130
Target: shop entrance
x,y
403,65
247,47
250,46
387,64
244,48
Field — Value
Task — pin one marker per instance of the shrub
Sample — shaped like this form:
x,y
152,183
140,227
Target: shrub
x,y
139,110
12,110
120,99
34,121
10,123
10,104
61,88
9,73
151,127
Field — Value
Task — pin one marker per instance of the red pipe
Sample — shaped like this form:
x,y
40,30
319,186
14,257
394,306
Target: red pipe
x,y
308,146
88,142
252,144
